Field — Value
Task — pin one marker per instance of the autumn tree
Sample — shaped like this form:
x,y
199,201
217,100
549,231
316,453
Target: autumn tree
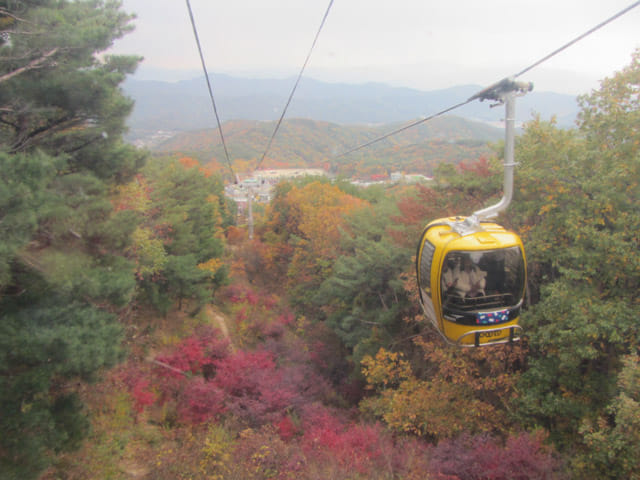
x,y
303,229
454,392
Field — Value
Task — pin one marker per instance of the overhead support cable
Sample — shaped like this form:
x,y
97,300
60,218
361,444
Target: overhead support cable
x,y
293,91
213,102
406,127
578,38
482,93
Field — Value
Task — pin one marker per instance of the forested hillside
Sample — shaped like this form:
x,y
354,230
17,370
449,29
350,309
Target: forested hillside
x,y
144,335
309,143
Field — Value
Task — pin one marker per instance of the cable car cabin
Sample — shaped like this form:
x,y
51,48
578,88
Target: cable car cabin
x,y
471,279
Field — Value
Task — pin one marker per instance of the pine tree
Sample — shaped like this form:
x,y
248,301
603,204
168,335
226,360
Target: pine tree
x,y
62,274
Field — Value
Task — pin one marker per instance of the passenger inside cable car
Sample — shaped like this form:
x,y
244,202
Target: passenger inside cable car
x,y
469,280
449,279
475,281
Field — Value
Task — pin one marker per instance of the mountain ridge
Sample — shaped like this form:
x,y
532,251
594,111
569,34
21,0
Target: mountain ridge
x,y
185,105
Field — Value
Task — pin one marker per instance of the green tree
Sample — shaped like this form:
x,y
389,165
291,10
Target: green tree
x,y
23,179
614,440
364,299
63,276
579,214
186,210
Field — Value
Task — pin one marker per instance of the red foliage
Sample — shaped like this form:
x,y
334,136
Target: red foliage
x,y
138,380
234,293
272,330
251,298
318,351
286,319
329,358
131,197
416,211
200,401
479,168
246,384
255,389
286,428
241,294
241,315
196,354
481,457
163,231
367,449
240,375
142,396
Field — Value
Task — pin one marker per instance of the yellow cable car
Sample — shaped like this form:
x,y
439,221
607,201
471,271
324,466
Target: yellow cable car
x,y
472,273
471,281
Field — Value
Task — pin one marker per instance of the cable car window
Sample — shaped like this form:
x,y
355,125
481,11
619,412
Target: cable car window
x,y
425,264
481,280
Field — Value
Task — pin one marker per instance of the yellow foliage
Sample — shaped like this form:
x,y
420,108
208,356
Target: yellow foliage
x,y
212,265
217,453
386,369
149,252
465,391
547,208
132,196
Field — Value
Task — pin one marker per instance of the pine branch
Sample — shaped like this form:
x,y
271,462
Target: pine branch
x,y
36,63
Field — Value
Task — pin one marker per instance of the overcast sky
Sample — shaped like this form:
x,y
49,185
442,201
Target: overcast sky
x,y
423,44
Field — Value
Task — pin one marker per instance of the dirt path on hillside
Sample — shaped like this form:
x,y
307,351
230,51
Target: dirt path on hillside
x,y
221,323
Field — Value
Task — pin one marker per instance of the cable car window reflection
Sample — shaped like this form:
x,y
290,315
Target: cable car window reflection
x,y
425,264
480,280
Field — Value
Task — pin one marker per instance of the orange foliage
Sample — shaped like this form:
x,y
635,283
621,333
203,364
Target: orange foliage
x,y
317,213
322,208
188,162
236,235
303,226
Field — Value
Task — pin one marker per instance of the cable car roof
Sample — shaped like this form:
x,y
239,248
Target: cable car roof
x,y
488,236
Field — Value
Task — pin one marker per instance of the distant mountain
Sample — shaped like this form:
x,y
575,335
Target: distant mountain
x,y
311,143
185,105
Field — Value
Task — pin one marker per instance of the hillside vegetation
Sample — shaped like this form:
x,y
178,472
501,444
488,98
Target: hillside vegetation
x,y
143,335
310,143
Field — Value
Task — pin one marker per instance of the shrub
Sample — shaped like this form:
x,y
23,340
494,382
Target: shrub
x,y
482,457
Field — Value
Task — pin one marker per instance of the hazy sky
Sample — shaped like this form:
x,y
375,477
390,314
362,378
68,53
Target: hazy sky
x,y
424,44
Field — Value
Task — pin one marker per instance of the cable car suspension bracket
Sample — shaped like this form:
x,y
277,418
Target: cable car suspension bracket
x,y
505,91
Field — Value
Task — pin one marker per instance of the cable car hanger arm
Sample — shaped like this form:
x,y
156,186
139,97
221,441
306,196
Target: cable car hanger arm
x,y
498,90
505,92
